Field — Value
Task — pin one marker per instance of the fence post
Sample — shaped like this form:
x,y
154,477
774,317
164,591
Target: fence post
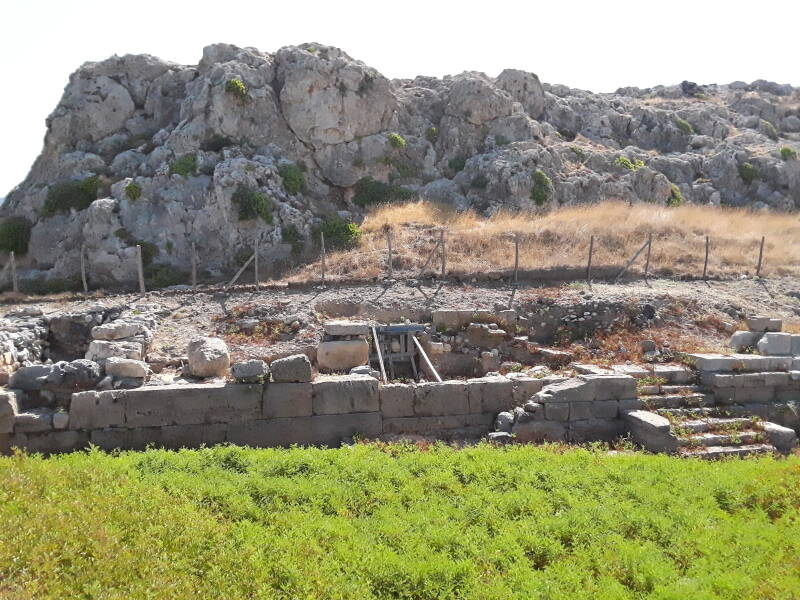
x,y
705,262
83,269
255,261
322,243
14,281
444,253
589,263
140,268
389,247
647,260
631,261
760,256
194,268
516,257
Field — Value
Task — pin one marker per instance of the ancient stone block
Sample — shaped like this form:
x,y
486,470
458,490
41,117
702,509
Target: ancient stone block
x,y
342,327
783,438
96,410
741,340
291,369
342,355
267,433
397,400
490,394
571,390
250,371
605,409
52,442
100,350
423,425
524,387
594,430
33,420
539,431
345,394
9,408
650,430
126,367
612,387
191,404
556,411
331,430
287,400
580,410
775,344
481,336
437,399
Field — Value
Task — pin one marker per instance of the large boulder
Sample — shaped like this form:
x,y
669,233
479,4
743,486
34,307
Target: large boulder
x,y
291,369
208,357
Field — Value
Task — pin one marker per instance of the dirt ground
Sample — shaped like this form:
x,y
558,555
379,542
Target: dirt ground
x,y
275,321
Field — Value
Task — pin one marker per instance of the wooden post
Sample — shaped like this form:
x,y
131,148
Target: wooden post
x,y
14,281
760,256
240,271
630,262
589,263
83,269
389,247
140,268
647,260
444,253
705,262
426,361
380,354
430,256
322,243
194,267
255,261
516,258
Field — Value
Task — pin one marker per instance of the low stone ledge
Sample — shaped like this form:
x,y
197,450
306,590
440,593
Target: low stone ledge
x,y
441,399
651,431
397,400
172,437
283,400
335,395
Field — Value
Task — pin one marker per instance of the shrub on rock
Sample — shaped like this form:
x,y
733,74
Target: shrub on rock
x,y
15,233
252,204
75,194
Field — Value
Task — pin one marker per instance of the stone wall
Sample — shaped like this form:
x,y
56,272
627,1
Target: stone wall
x,y
326,412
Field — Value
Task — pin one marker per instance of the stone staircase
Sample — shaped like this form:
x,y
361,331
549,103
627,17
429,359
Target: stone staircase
x,y
707,432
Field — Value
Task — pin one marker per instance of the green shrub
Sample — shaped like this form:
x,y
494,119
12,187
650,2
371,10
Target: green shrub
x,y
788,153
48,287
432,134
293,179
15,233
339,234
675,196
626,163
748,173
133,191
290,235
684,126
149,250
365,85
542,188
184,166
216,142
161,276
479,182
252,204
578,152
237,88
396,140
73,194
457,164
371,191
769,130
501,140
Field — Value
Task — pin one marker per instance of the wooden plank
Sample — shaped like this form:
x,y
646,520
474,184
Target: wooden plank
x,y
630,262
380,354
240,271
647,260
83,269
444,252
322,242
140,268
705,262
255,262
425,360
430,257
589,263
516,257
389,247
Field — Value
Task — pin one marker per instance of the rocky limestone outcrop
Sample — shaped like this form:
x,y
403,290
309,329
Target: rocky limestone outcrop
x,y
248,146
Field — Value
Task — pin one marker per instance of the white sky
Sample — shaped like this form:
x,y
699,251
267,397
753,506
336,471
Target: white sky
x,y
591,45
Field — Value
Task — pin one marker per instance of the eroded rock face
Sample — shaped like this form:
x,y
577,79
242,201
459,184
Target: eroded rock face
x,y
171,145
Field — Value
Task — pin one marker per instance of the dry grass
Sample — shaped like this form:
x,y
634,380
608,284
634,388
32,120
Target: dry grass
x,y
561,239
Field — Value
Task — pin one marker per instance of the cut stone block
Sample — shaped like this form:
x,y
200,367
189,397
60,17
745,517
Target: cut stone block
x,y
611,387
346,327
51,442
524,387
190,404
33,420
795,345
580,411
437,399
490,394
539,431
775,344
100,350
60,420
761,323
651,431
345,394
332,430
250,371
481,336
783,438
397,400
744,339
118,330
636,371
605,409
556,411
287,400
291,369
424,425
96,410
9,407
271,433
126,367
172,437
571,390
342,355
595,430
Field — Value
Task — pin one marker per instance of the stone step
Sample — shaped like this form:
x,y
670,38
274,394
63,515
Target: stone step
x,y
675,390
677,401
688,413
721,439
710,452
716,424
